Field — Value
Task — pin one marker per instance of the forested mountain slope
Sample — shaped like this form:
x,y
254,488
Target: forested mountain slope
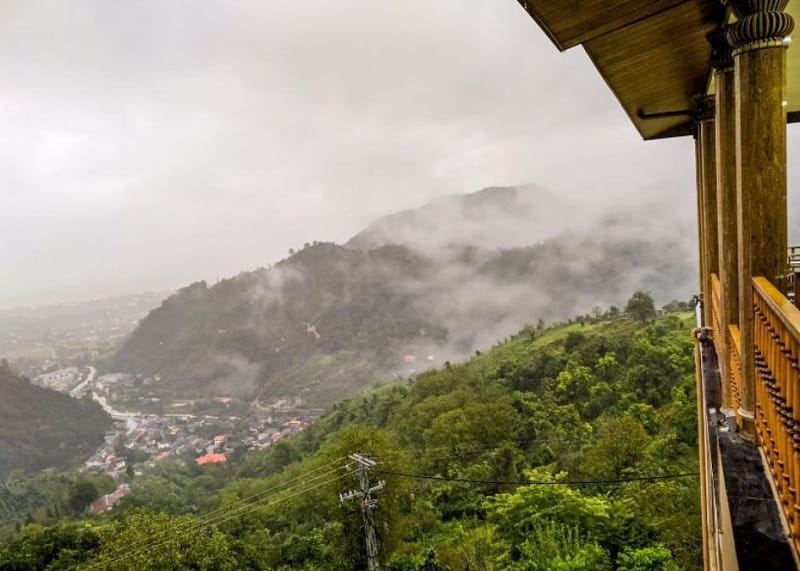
x,y
318,325
40,428
325,322
572,448
409,292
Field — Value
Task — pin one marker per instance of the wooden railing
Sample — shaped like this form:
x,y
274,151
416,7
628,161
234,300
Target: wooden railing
x,y
733,360
716,316
735,370
777,392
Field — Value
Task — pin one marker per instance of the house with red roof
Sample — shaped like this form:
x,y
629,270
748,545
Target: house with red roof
x,y
211,459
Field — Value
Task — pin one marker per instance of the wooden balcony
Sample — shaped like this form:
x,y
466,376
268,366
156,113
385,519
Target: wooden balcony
x,y
777,391
717,69
777,348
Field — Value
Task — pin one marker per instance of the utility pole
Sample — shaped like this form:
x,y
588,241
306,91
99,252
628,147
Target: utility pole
x,y
368,504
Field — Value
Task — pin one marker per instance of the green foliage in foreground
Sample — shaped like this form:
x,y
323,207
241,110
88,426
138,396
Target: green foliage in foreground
x,y
610,401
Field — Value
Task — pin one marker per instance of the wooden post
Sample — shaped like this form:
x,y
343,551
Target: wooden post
x,y
707,136
727,233
701,234
707,201
759,55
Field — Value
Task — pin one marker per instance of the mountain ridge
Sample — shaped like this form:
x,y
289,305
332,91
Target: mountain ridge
x,y
493,217
328,320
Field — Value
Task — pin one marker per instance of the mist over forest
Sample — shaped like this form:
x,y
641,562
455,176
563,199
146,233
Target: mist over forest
x,y
411,291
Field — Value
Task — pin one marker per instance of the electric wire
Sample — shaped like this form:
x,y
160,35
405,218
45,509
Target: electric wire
x,y
226,514
235,507
219,519
301,492
200,525
253,497
223,513
540,482
447,452
224,509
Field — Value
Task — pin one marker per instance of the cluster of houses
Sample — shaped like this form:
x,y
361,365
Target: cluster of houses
x,y
207,439
59,380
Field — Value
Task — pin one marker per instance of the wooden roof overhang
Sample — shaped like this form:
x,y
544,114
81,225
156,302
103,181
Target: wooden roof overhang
x,y
653,54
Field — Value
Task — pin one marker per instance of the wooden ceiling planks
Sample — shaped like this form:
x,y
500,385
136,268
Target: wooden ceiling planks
x,y
572,22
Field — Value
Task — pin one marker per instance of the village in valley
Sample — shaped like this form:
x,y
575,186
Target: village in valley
x,y
140,439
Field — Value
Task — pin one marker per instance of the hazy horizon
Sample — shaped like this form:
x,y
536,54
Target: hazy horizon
x,y
146,145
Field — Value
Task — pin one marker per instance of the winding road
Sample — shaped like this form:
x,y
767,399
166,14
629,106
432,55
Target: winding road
x,y
76,390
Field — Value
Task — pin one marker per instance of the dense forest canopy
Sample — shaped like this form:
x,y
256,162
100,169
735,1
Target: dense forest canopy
x,y
570,448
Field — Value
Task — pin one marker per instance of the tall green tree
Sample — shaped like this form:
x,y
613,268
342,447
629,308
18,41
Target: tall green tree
x,y
641,306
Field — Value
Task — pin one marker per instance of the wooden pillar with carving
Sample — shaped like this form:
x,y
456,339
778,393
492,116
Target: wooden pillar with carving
x,y
759,56
727,227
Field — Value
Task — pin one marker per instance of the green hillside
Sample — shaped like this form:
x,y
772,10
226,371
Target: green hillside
x,y
249,335
572,448
252,335
40,428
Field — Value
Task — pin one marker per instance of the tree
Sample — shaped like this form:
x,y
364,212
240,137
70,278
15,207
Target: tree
x,y
621,445
157,493
158,542
82,492
641,306
529,508
37,548
656,558
675,305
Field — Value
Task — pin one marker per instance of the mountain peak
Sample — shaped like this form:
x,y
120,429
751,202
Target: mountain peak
x,y
494,217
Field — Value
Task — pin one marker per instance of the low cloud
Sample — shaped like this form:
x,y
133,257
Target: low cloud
x,y
172,144
235,376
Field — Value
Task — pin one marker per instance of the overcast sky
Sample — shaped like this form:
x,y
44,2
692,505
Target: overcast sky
x,y
148,144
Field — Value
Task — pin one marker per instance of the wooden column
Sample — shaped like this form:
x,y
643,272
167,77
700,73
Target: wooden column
x,y
727,233
759,55
701,234
708,138
707,195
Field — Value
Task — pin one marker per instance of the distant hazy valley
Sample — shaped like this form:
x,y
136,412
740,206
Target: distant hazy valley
x,y
411,291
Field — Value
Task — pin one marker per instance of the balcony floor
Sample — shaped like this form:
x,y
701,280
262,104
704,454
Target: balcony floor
x,y
759,534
